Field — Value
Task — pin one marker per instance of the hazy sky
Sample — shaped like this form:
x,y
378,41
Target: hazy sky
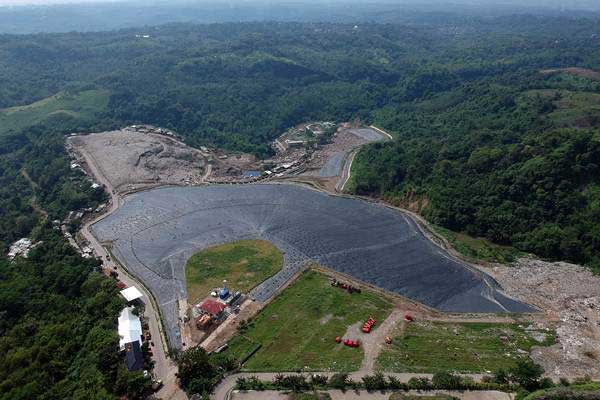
x,y
538,3
26,2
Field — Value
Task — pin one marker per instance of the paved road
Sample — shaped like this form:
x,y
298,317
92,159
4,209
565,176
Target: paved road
x,y
346,172
164,368
347,168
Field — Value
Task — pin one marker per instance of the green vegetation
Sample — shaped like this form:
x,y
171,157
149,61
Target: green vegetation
x,y
512,161
570,108
58,336
497,150
198,373
479,248
310,396
244,264
464,347
81,106
586,391
297,329
402,396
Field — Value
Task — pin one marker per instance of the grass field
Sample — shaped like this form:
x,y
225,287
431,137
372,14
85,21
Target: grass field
x,y
463,347
298,328
244,264
83,105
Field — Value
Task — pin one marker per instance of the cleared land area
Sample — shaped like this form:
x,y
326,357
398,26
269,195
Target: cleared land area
x,y
326,165
583,72
476,347
82,106
149,159
297,329
155,232
570,297
244,264
571,109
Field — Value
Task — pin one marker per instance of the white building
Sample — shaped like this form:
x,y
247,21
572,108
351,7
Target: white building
x,y
130,327
131,293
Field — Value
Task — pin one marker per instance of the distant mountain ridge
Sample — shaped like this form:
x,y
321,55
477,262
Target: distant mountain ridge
x,y
106,15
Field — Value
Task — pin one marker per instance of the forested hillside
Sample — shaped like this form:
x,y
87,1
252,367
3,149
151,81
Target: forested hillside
x,y
485,144
514,160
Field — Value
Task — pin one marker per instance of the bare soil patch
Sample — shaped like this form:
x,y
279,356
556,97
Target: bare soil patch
x,y
569,296
132,160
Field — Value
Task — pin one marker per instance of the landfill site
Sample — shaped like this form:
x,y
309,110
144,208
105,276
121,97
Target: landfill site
x,y
169,201
569,297
156,231
135,158
143,156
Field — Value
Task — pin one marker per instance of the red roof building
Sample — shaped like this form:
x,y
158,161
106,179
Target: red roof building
x,y
212,307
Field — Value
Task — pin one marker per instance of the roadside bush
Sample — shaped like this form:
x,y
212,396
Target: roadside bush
x,y
225,363
278,378
445,380
318,380
394,383
374,382
252,383
501,377
527,374
564,381
421,383
241,383
339,381
295,383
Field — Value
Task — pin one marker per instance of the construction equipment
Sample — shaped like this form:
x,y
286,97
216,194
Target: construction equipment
x,y
345,286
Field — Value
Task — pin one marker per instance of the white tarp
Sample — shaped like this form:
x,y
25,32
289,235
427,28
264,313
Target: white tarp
x,y
131,293
130,327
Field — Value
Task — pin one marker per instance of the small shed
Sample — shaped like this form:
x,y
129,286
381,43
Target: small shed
x,y
212,307
131,293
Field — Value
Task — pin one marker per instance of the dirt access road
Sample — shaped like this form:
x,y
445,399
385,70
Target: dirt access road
x,y
347,169
164,367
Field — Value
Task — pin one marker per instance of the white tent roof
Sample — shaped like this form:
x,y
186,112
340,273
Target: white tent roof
x,y
131,293
130,327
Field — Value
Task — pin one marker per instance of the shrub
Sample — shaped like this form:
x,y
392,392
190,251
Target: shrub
x,y
564,381
374,382
319,380
421,383
339,381
295,383
394,383
527,374
445,380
